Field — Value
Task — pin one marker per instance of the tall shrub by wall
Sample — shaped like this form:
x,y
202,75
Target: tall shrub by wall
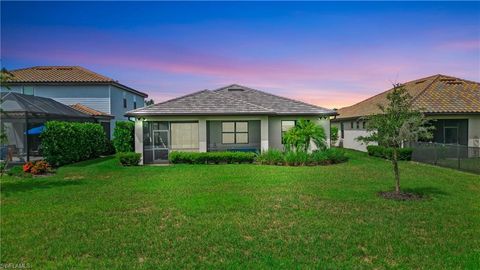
x,y
68,142
124,134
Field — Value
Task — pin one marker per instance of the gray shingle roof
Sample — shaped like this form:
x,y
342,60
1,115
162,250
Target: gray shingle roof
x,y
232,99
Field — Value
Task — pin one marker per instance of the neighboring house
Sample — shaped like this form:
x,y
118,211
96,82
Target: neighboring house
x,y
76,85
232,118
453,103
23,118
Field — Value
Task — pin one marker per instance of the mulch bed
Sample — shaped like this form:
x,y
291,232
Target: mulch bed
x,y
402,196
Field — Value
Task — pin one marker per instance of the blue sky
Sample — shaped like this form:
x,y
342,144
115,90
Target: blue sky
x,y
330,54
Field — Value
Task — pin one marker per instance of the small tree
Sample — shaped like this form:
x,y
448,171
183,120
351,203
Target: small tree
x,y
396,124
299,137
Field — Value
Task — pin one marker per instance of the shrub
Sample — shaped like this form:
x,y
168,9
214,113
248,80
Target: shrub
x,y
17,171
37,168
109,148
211,157
333,134
336,155
124,134
298,158
387,153
271,157
68,142
129,158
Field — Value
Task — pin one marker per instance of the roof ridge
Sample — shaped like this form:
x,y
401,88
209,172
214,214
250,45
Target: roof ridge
x,y
425,89
390,89
173,99
277,96
244,101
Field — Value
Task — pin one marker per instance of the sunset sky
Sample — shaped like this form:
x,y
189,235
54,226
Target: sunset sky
x,y
329,54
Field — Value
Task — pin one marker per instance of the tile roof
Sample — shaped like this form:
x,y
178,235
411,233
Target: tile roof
x,y
87,110
64,75
232,99
434,94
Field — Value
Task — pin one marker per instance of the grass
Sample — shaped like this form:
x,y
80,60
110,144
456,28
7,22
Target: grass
x,y
97,214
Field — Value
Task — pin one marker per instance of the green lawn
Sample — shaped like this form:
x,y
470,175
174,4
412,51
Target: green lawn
x,y
100,215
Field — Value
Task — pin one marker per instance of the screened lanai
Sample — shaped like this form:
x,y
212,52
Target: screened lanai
x,y
22,119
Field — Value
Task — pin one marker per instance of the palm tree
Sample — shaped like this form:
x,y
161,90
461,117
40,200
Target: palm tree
x,y
303,134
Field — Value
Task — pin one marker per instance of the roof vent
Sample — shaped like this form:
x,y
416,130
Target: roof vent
x,y
236,90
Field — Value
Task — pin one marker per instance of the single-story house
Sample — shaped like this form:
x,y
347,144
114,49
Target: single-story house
x,y
231,118
74,84
453,103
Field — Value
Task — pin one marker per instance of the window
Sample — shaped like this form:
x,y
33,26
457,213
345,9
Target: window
x,y
28,90
184,136
358,125
286,125
364,124
351,125
124,100
341,130
134,105
234,132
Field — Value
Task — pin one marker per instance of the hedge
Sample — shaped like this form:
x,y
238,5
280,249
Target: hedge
x,y
124,134
211,157
387,152
68,142
129,158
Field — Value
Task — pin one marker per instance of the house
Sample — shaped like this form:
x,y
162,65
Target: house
x,y
453,103
77,85
23,118
232,118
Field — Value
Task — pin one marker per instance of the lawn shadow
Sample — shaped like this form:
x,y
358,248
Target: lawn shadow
x,y
90,162
425,191
10,188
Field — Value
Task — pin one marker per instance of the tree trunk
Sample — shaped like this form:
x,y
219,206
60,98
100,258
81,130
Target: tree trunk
x,y
395,170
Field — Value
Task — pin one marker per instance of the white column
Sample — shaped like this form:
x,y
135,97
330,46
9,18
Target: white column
x,y
202,135
264,133
139,138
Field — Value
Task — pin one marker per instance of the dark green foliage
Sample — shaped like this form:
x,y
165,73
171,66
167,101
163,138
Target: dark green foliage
x,y
296,158
17,171
109,148
271,157
333,134
211,157
69,142
300,158
124,134
387,153
129,158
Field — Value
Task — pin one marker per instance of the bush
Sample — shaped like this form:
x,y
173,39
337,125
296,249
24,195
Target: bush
x,y
211,157
17,171
124,134
270,157
129,158
68,142
296,158
109,148
387,152
333,134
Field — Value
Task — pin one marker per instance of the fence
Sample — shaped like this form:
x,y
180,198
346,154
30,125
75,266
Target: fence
x,y
458,157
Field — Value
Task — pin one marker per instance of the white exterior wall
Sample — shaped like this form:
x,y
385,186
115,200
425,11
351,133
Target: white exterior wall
x,y
474,131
